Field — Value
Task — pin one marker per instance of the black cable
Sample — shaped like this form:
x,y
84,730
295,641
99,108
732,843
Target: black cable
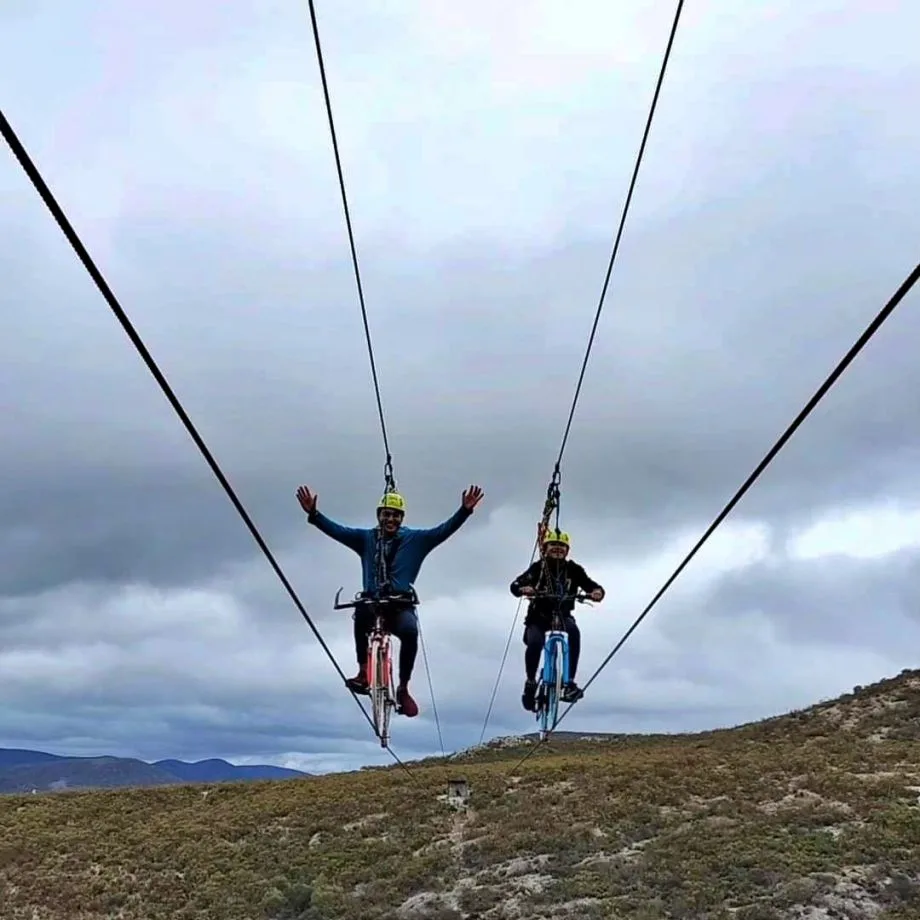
x,y
19,151
501,667
388,469
552,496
822,390
390,482
434,705
553,491
619,235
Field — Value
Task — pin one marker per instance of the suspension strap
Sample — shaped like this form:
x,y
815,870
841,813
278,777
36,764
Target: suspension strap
x,y
552,501
389,482
381,562
549,506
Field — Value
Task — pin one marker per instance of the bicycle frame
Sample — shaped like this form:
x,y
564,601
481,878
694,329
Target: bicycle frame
x,y
554,672
380,678
379,657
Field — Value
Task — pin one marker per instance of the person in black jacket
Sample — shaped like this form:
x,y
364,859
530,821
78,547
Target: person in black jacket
x,y
557,574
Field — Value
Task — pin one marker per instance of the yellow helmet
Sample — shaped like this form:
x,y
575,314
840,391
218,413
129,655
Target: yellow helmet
x,y
392,500
557,536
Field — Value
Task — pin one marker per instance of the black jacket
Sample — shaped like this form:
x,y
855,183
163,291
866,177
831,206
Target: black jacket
x,y
559,576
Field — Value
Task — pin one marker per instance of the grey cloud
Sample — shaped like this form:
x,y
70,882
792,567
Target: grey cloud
x,y
831,600
164,526
765,624
159,702
676,454
768,227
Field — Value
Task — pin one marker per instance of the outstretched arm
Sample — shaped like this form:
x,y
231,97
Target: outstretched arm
x,y
435,536
352,537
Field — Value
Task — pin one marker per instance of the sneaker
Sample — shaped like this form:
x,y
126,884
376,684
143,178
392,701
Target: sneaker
x,y
572,693
359,683
405,705
529,696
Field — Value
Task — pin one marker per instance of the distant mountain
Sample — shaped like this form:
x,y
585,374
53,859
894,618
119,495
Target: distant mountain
x,y
219,771
82,773
27,771
13,757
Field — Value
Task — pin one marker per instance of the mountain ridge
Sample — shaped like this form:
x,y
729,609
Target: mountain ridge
x,y
23,770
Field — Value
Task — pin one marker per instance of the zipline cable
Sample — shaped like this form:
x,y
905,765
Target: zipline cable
x,y
819,394
389,479
554,490
434,705
619,234
19,151
551,503
388,466
501,666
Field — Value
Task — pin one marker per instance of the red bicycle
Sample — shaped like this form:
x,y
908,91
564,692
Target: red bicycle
x,y
380,654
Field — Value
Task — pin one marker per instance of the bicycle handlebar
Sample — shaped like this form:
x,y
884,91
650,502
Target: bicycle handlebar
x,y
362,600
578,597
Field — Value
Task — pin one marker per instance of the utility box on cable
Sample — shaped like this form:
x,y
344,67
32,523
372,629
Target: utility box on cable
x,y
458,793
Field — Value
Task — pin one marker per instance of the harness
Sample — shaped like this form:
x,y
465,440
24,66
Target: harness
x,y
554,576
384,553
553,579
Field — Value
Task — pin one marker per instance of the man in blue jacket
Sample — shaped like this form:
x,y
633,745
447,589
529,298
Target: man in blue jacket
x,y
391,557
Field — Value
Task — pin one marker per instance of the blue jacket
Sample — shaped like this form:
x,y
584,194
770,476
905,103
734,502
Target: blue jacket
x,y
414,544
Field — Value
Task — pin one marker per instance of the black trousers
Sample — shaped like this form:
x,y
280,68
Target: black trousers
x,y
403,624
535,636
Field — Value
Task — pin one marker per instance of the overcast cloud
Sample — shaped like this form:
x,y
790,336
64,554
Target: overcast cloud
x,y
486,157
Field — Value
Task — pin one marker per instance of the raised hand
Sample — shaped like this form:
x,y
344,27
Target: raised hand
x,y
472,497
307,499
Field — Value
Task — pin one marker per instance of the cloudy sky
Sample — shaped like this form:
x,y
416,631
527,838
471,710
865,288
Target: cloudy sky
x,y
487,155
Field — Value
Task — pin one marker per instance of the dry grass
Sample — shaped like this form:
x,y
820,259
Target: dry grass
x,y
810,816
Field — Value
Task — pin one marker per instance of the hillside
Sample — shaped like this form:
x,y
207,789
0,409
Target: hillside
x,y
38,771
814,815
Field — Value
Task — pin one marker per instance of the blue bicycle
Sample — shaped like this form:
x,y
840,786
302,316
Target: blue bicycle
x,y
554,674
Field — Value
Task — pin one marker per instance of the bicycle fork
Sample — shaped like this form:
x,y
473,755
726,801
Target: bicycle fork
x,y
555,675
380,679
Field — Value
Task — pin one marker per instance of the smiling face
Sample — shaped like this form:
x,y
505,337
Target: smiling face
x,y
556,550
391,509
389,520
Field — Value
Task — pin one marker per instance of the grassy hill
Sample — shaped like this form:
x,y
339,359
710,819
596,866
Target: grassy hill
x,y
814,815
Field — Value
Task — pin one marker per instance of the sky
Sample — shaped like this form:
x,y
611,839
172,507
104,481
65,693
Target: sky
x,y
487,153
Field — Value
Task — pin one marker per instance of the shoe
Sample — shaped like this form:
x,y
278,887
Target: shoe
x,y
572,693
529,696
359,684
405,705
